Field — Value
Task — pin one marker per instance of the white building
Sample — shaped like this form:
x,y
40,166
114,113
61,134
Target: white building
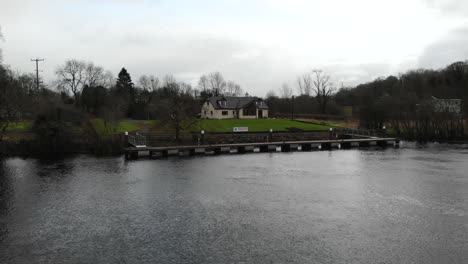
x,y
224,107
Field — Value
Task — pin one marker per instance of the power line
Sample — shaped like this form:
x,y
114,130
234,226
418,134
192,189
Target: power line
x,y
37,60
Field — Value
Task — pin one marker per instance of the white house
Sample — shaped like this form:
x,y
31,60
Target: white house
x,y
224,107
446,105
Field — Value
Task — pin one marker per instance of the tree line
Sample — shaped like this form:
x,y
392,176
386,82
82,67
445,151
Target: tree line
x,y
403,103
83,90
314,95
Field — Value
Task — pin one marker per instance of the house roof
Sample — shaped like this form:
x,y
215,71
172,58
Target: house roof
x,y
235,102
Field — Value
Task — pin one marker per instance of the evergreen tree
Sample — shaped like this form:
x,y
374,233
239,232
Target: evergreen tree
x,y
124,85
125,90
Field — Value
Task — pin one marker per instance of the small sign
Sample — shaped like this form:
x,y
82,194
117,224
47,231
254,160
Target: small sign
x,y
241,129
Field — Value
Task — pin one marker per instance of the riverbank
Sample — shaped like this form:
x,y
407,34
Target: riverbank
x,y
99,137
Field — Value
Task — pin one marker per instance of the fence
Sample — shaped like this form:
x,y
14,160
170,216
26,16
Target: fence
x,y
310,116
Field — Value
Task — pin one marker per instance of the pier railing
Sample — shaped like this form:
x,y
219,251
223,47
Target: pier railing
x,y
137,140
198,138
362,132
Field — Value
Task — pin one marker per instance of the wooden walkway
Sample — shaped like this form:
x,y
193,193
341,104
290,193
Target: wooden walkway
x,y
285,146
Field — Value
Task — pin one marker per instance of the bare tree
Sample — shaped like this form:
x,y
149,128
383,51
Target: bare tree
x,y
96,76
93,74
300,86
233,89
270,94
286,91
146,86
71,76
186,88
304,83
149,83
178,110
170,82
323,89
28,83
217,83
204,83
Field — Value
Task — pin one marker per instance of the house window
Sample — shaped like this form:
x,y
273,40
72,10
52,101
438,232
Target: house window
x,y
204,112
211,112
224,113
234,112
249,111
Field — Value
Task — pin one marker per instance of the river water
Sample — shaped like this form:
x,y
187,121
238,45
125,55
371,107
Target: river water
x,y
405,205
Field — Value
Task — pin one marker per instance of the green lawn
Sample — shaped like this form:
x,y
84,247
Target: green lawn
x,y
227,125
150,122
22,125
123,126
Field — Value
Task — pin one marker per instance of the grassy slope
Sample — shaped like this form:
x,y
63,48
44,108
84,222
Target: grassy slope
x,y
22,125
257,125
101,129
226,125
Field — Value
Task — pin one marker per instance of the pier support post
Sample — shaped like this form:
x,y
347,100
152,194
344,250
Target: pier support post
x,y
326,146
306,147
316,146
134,154
345,145
364,144
382,143
264,148
240,149
249,149
164,153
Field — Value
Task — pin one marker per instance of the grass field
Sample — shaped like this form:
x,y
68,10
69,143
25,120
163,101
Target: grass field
x,y
212,125
227,125
123,126
22,125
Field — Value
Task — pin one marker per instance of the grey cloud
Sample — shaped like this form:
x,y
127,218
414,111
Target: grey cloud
x,y
136,40
354,74
452,48
449,7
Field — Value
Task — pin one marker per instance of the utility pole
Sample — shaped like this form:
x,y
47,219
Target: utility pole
x,y
37,60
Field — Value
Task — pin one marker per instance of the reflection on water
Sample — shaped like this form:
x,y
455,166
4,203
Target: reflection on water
x,y
406,205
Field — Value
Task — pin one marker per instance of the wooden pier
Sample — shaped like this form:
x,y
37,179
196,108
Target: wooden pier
x,y
285,146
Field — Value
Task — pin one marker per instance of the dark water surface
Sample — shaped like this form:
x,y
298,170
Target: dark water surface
x,y
407,205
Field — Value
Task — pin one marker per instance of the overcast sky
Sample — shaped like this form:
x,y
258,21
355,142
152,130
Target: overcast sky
x,y
258,43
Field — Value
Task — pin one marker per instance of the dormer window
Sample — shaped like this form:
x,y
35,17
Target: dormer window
x,y
222,102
